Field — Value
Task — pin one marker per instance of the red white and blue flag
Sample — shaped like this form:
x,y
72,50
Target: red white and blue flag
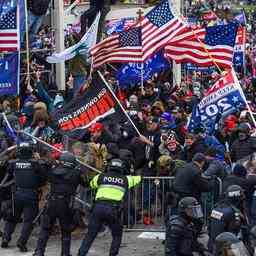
x,y
119,25
153,32
223,98
9,41
204,46
239,50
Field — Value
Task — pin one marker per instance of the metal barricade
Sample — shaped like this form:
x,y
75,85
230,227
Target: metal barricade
x,y
209,199
145,206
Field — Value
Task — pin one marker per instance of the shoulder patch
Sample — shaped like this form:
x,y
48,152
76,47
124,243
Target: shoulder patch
x,y
216,215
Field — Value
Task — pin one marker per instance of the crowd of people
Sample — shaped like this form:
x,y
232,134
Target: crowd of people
x,y
219,166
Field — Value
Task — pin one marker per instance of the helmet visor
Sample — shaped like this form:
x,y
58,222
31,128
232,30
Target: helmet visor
x,y
195,212
238,249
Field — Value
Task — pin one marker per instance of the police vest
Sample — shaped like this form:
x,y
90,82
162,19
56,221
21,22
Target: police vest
x,y
25,174
112,187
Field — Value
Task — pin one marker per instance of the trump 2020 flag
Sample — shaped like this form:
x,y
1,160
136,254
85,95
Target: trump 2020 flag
x,y
131,73
9,74
224,98
82,47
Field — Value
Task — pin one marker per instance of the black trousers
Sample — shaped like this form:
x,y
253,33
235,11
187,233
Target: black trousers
x,y
22,206
103,213
58,209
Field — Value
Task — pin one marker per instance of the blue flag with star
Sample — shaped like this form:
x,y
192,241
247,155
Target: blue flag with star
x,y
130,74
221,100
238,59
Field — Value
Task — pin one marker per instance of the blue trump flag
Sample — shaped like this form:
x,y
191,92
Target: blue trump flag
x,y
224,98
9,74
130,74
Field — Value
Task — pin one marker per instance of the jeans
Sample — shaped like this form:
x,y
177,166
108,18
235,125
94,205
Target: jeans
x,y
34,23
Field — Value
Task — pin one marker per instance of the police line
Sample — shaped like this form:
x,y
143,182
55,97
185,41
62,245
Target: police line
x,y
145,207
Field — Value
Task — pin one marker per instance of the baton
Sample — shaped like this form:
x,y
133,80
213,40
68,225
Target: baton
x,y
86,205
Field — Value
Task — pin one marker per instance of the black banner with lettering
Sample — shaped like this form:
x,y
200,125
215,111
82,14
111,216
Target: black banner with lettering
x,y
96,103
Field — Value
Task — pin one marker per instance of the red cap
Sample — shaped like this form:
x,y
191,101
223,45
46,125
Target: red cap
x,y
96,127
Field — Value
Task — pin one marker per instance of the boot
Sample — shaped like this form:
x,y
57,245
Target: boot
x,y
38,253
4,243
22,246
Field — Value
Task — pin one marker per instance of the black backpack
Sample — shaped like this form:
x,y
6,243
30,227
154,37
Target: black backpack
x,y
39,7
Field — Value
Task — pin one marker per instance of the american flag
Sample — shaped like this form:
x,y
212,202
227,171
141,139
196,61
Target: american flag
x,y
8,29
157,28
204,46
122,47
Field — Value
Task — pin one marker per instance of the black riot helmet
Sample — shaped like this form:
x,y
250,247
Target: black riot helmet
x,y
227,244
235,195
190,207
24,150
118,166
68,160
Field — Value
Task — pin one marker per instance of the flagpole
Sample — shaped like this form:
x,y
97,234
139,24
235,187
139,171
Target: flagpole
x,y
58,150
142,78
243,95
140,13
119,103
91,70
27,42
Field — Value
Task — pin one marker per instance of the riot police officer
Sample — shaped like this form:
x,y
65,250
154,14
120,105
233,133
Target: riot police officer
x,y
29,176
227,243
111,189
228,215
181,232
64,180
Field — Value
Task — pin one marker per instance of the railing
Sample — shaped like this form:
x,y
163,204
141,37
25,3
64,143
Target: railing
x,y
145,206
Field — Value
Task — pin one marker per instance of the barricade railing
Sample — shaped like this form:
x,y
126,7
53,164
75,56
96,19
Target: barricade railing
x,y
145,207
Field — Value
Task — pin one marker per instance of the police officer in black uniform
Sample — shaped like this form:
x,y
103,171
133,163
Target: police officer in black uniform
x,y
228,215
64,180
5,189
227,244
29,175
181,232
111,189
